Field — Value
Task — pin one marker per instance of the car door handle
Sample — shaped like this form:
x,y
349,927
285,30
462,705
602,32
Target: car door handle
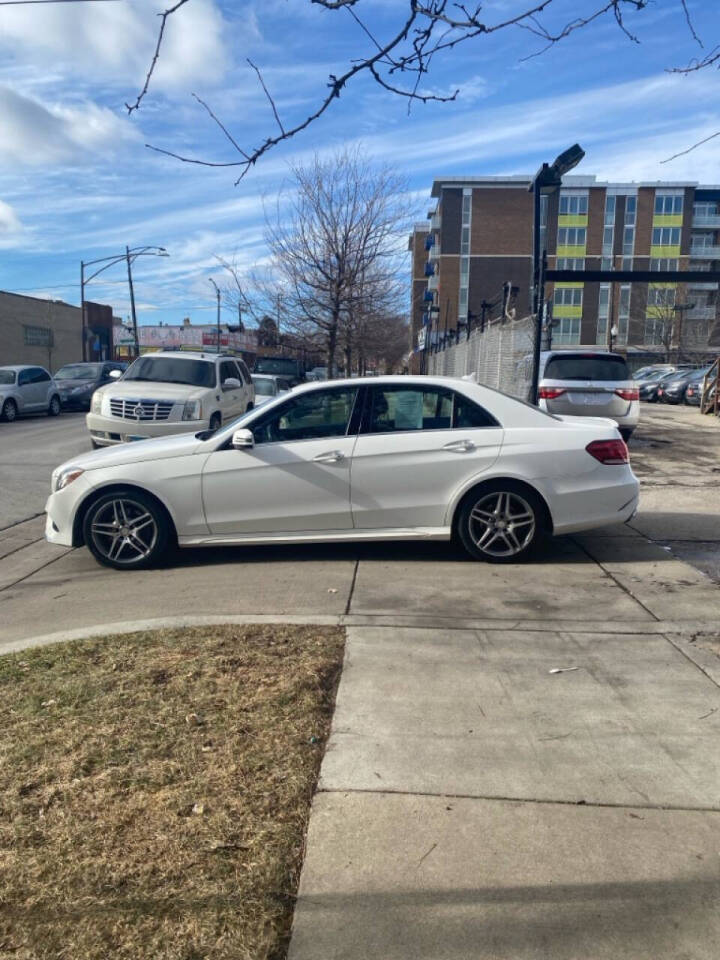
x,y
459,446
331,456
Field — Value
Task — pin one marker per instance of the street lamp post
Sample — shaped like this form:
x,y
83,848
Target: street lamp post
x,y
547,180
217,294
129,256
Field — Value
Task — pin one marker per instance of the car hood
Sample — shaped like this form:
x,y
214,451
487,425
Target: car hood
x,y
71,384
154,390
161,448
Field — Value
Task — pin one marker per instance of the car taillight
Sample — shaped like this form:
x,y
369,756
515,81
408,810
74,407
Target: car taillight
x,y
609,451
628,393
550,393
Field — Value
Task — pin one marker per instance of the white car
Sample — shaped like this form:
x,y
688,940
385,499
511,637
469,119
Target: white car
x,y
268,387
170,392
382,458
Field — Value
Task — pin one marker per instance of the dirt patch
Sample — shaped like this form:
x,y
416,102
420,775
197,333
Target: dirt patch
x,y
156,789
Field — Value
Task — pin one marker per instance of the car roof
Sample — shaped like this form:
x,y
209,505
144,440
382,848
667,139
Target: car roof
x,y
191,355
22,366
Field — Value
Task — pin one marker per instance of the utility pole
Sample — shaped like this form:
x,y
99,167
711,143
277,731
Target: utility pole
x,y
82,310
217,295
132,303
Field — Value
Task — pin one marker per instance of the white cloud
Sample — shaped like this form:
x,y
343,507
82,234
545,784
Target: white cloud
x,y
106,42
10,226
36,133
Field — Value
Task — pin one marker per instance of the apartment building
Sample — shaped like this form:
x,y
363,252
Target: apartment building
x,y
473,259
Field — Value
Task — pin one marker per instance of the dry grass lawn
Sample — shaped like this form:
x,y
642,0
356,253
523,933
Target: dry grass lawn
x,y
155,790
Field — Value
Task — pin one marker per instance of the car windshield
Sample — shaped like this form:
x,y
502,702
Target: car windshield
x,y
7,376
79,371
193,373
651,375
265,388
275,365
586,367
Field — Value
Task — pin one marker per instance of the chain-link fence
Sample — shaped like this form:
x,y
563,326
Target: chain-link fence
x,y
501,356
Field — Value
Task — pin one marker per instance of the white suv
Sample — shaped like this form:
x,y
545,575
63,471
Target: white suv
x,y
166,393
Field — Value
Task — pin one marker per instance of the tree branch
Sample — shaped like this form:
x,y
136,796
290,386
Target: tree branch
x,y
153,63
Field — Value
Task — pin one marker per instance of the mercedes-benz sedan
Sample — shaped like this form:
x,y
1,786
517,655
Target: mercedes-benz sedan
x,y
381,458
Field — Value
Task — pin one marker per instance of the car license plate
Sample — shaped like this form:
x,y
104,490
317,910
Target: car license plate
x,y
589,399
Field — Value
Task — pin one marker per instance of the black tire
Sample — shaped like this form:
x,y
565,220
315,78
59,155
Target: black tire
x,y
625,434
113,516
9,411
489,522
54,406
215,422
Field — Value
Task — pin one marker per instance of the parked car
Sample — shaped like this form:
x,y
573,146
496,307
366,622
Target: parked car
x,y
648,389
589,385
287,367
78,381
267,388
317,373
170,392
399,458
673,389
26,389
653,370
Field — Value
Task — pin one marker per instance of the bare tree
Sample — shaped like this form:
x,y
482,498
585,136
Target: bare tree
x,y
401,62
336,242
669,326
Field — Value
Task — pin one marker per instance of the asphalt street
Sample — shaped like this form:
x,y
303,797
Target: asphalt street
x,y
30,449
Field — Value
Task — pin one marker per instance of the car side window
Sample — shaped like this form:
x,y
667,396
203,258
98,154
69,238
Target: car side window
x,y
309,416
244,372
42,376
400,408
24,377
228,370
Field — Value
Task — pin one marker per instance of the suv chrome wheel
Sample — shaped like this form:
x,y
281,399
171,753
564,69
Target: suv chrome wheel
x,y
501,523
125,530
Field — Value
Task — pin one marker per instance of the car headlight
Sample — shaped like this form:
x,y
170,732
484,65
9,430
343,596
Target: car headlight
x,y
96,406
192,410
65,477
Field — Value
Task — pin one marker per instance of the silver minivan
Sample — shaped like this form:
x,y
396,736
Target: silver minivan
x,y
585,384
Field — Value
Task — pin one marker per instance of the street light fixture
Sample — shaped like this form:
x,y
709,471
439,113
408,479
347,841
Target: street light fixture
x,y
129,256
548,179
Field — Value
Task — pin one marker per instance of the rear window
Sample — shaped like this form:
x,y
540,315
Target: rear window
x,y
586,367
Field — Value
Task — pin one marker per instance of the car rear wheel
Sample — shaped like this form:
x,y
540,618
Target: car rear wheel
x,y
127,531
215,422
54,406
9,411
501,523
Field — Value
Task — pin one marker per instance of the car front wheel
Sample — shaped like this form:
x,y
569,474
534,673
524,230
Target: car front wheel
x,y
500,523
54,407
9,411
126,530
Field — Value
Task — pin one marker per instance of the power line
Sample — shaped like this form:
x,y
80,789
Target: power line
x,y
25,3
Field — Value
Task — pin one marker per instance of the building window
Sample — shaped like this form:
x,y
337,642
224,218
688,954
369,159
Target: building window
x,y
667,203
573,205
570,263
623,314
701,241
661,296
665,263
606,263
607,245
568,296
630,210
567,330
705,208
654,331
627,263
465,241
543,220
609,211
628,241
666,237
38,336
464,251
572,236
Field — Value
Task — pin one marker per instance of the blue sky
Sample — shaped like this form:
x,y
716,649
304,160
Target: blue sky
x,y
77,182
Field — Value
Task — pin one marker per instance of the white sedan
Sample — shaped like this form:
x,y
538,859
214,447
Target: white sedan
x,y
381,458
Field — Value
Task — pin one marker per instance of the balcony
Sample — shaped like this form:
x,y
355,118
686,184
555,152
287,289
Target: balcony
x,y
429,269
702,313
434,251
433,282
705,253
702,286
708,222
435,222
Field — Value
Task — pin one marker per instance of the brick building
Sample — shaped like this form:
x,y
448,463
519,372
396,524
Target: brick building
x,y
479,237
49,332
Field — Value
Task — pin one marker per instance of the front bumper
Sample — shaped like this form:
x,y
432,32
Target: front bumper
x,y
106,431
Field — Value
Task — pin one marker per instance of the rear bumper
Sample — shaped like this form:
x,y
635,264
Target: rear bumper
x,y
600,503
628,419
107,431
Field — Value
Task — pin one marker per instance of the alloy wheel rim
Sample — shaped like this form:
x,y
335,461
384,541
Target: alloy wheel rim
x,y
10,411
124,531
502,524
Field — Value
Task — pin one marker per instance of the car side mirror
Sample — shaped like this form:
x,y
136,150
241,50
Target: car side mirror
x,y
232,383
243,440
115,374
